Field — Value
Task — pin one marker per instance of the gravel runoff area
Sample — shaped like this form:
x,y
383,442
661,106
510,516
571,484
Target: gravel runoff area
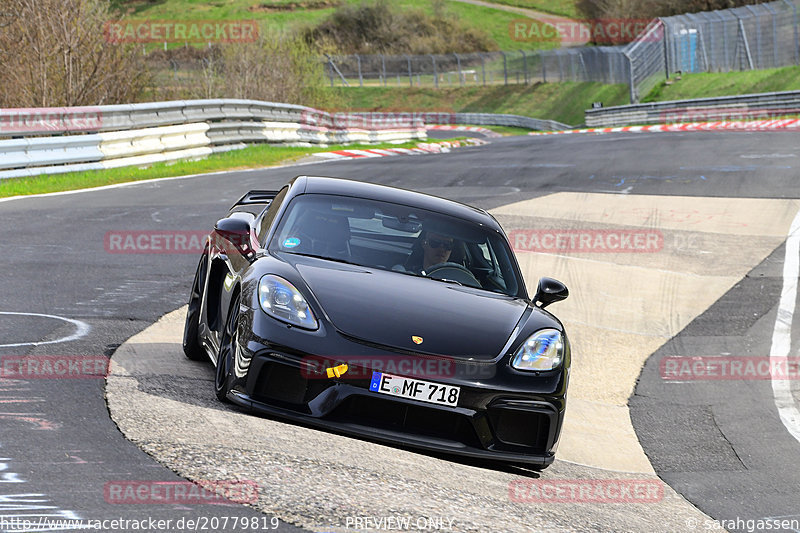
x,y
327,482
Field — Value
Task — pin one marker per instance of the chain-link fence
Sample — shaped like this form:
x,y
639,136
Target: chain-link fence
x,y
599,63
645,58
744,38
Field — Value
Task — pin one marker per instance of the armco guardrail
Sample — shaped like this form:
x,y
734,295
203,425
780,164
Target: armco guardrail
x,y
489,119
743,107
54,140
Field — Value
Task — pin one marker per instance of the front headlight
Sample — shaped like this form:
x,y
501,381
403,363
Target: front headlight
x,y
281,300
544,350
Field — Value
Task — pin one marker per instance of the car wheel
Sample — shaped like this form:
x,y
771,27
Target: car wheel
x,y
191,338
226,350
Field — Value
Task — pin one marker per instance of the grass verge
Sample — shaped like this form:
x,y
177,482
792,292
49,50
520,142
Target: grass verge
x,y
251,157
702,85
564,102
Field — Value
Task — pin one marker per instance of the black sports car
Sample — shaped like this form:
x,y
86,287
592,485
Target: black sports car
x,y
383,313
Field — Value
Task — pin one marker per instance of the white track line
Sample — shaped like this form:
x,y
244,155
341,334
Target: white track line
x,y
782,334
81,329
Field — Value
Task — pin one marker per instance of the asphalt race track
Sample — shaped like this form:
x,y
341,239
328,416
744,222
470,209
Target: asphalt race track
x,y
720,281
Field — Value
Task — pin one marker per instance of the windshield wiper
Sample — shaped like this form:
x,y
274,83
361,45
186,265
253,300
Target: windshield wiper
x,y
452,281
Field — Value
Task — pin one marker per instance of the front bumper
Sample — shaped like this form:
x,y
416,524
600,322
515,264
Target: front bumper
x,y
501,415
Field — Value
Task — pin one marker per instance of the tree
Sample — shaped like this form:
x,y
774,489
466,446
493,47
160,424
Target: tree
x,y
55,53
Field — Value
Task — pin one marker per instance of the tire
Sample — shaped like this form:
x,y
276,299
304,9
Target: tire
x,y
191,338
222,381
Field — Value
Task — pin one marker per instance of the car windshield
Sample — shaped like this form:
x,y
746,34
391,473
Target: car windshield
x,y
398,238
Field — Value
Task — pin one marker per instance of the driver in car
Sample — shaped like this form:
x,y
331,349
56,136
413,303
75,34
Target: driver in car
x,y
436,248
431,249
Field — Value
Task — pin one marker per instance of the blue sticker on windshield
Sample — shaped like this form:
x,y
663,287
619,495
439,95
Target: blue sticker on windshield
x,y
291,242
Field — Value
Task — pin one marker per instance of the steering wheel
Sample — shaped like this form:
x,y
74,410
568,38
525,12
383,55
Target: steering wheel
x,y
453,272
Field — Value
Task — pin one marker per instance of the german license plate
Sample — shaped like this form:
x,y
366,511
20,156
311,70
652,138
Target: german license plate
x,y
416,389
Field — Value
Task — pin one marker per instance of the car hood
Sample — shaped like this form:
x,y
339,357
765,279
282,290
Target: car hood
x,y
389,308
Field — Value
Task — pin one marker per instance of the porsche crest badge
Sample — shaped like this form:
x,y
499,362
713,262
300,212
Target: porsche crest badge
x,y
417,340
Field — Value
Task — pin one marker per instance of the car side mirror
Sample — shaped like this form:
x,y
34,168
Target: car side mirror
x,y
237,232
550,290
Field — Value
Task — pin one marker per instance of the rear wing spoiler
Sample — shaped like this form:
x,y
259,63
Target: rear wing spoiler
x,y
257,197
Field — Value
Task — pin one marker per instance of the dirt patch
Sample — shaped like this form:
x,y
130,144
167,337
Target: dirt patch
x,y
295,6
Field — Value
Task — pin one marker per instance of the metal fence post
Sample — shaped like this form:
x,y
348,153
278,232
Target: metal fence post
x,y
505,69
746,45
725,44
524,66
360,76
460,75
759,62
435,74
664,34
483,70
796,41
383,69
544,66
634,99
410,74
